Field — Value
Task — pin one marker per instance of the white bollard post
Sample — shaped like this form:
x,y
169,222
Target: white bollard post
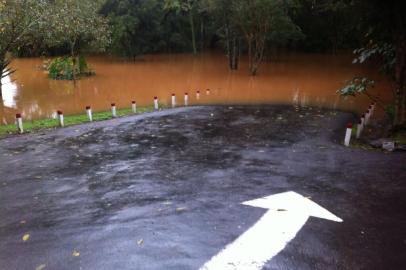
x,y
173,101
207,92
360,127
134,107
373,107
89,113
186,99
113,110
19,122
348,134
60,118
197,94
371,111
367,116
156,105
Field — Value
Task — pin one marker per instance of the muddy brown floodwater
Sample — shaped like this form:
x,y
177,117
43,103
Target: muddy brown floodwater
x,y
306,79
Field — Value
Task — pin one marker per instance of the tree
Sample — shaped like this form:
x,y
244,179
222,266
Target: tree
x,y
19,21
136,26
187,6
327,25
263,21
78,25
227,29
383,27
259,22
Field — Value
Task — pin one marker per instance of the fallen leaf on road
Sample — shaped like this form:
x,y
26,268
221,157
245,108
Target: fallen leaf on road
x,y
75,253
167,203
40,267
26,237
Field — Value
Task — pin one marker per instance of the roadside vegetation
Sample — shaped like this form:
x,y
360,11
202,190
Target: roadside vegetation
x,y
69,120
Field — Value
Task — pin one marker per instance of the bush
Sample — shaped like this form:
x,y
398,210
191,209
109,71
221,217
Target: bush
x,y
63,68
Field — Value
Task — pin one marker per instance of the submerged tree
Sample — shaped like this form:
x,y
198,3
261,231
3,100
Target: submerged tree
x,y
226,28
189,7
19,22
261,22
136,26
77,25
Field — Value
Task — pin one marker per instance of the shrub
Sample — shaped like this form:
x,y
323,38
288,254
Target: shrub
x,y
63,68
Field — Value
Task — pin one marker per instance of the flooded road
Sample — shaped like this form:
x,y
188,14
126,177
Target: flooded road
x,y
307,79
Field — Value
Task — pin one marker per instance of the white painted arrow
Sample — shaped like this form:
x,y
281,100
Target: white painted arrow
x,y
287,213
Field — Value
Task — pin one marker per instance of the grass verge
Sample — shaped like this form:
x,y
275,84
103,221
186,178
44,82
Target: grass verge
x,y
69,120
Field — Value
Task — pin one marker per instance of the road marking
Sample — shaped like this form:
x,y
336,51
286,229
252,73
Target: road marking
x,y
286,215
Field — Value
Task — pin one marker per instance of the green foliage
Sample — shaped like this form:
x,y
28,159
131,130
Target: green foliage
x,y
356,86
136,26
382,26
19,21
263,22
390,111
77,24
141,27
63,68
189,7
400,135
327,25
385,52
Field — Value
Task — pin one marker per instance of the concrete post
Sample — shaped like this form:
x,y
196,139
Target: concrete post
x,y
19,123
186,99
367,116
134,107
89,113
348,135
371,110
60,118
373,107
360,127
173,101
113,110
156,105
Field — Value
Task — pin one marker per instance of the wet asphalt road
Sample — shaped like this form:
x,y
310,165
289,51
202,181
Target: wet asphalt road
x,y
164,191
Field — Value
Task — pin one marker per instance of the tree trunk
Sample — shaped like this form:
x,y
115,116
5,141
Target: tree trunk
x,y
250,55
400,65
235,52
258,54
228,47
72,54
192,28
2,68
400,77
202,34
